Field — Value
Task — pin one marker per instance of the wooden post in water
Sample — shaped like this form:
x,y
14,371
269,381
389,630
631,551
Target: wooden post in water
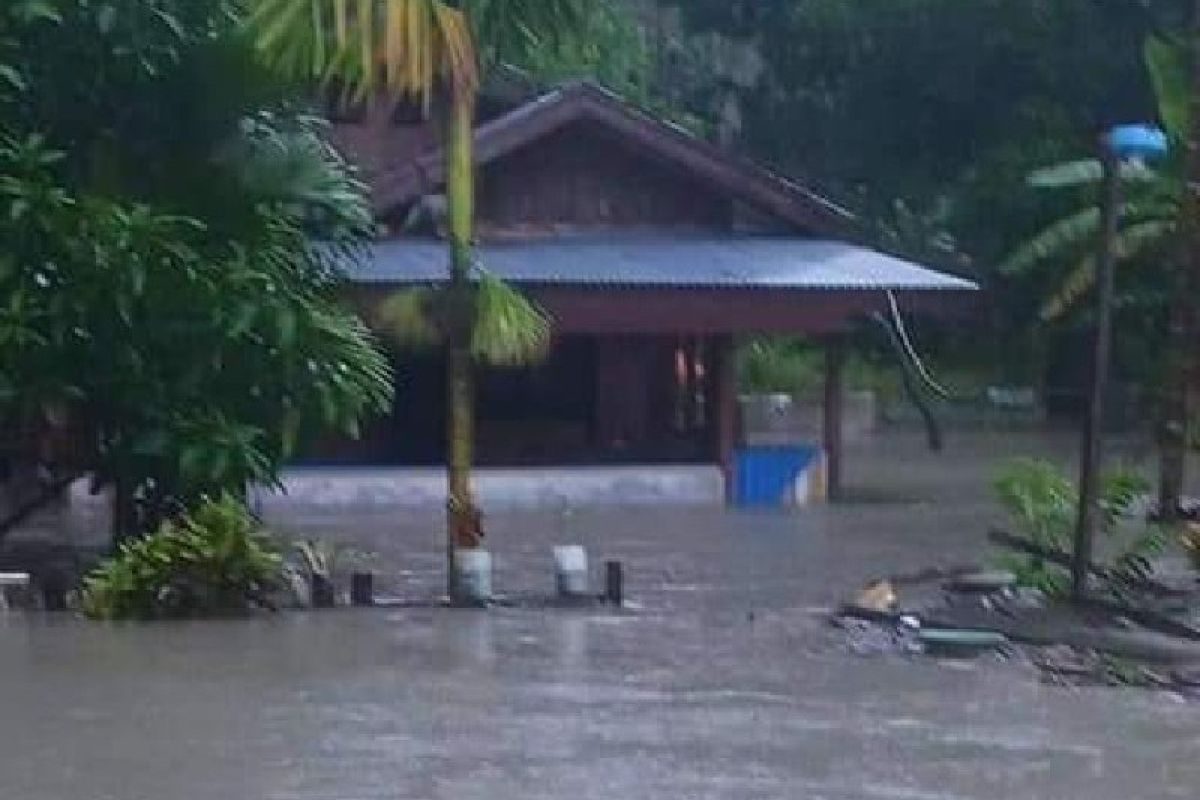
x,y
725,355
614,583
832,435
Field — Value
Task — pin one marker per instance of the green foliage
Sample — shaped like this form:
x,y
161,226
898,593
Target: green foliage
x,y
796,367
1167,62
1085,172
507,329
610,48
213,561
1043,504
884,95
1149,215
412,318
515,31
408,47
162,293
287,162
1136,564
874,101
770,366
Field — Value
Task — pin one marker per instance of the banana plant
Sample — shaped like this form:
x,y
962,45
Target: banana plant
x,y
1150,213
1154,226
434,52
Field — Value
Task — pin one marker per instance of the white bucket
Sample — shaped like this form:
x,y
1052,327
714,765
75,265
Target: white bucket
x,y
571,570
474,575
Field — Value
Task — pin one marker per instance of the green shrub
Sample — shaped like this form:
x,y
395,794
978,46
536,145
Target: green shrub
x,y
1043,502
770,365
214,561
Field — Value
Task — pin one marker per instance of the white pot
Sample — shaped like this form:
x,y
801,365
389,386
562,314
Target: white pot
x,y
474,568
571,570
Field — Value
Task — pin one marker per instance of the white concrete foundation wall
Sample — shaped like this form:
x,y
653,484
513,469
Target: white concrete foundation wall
x,y
497,489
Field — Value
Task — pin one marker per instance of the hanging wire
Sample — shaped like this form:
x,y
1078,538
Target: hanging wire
x,y
911,380
906,342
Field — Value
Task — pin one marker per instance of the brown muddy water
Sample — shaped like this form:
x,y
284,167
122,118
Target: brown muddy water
x,y
723,681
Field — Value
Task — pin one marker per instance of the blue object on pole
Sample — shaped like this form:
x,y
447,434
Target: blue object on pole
x,y
1141,142
765,476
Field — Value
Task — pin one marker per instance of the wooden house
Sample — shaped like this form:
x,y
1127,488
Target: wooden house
x,y
652,250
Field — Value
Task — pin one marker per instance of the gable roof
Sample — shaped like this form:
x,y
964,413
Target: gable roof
x,y
585,102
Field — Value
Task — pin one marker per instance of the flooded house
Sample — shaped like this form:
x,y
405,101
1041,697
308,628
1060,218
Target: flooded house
x,y
652,251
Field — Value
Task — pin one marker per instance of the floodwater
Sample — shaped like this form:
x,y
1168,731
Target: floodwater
x,y
721,682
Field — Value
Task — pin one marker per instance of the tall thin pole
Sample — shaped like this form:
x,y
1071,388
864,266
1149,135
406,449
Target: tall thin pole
x,y
835,361
460,422
1093,439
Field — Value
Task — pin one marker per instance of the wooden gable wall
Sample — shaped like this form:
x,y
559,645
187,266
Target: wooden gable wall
x,y
584,178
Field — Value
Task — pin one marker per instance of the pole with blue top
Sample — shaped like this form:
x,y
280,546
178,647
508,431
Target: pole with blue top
x,y
1121,145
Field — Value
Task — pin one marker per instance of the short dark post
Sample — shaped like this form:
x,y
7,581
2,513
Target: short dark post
x,y
322,591
362,589
835,359
614,583
54,591
726,411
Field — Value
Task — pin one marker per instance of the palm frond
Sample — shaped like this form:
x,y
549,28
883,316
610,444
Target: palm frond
x,y
1060,238
409,317
509,329
1080,230
290,35
406,47
290,165
1134,241
1085,172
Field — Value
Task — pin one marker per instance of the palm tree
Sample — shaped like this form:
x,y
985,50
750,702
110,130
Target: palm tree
x,y
433,51
1153,218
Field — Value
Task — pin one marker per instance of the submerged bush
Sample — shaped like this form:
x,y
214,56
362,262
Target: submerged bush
x,y
214,561
1043,503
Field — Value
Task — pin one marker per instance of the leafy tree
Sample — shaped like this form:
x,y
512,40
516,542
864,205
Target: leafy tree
x,y
165,313
433,51
880,99
610,46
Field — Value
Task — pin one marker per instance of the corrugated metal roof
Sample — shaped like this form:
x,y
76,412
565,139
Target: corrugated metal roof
x,y
724,263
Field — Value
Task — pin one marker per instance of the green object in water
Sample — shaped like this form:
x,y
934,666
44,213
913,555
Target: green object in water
x,y
959,641
983,582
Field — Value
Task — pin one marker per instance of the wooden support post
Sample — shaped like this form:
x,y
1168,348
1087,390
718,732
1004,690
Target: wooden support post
x,y
726,408
835,360
362,589
614,583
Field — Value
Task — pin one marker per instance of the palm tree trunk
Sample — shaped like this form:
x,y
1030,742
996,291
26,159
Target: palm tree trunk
x,y
462,529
